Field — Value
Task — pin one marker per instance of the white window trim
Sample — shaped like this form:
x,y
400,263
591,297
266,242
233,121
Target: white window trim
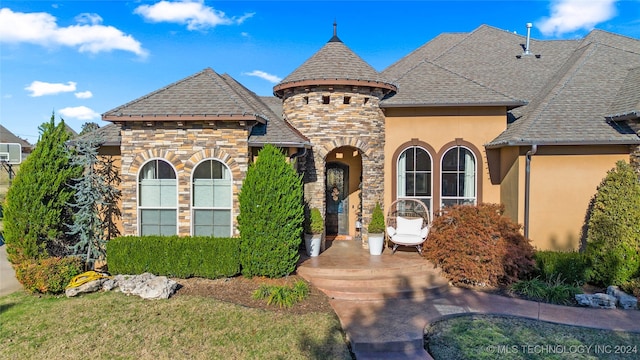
x,y
140,208
192,208
398,178
475,178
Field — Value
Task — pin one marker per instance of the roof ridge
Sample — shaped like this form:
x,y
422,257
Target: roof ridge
x,y
241,104
250,96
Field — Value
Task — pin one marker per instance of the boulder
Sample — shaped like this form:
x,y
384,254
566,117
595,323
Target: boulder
x,y
599,300
624,300
147,286
89,287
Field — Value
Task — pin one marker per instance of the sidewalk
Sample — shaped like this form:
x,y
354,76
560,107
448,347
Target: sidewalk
x,y
8,282
394,329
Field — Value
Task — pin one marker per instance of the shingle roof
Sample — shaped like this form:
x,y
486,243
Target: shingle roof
x,y
8,137
626,104
202,95
336,64
109,134
569,85
428,84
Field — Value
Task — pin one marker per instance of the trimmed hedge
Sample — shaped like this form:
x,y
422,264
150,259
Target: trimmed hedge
x,y
573,267
182,257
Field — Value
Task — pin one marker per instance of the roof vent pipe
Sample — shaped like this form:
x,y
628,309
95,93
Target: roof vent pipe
x,y
526,47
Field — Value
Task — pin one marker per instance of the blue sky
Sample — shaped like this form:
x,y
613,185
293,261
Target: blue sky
x,y
82,58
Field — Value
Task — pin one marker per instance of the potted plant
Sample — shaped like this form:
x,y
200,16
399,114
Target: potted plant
x,y
313,238
376,231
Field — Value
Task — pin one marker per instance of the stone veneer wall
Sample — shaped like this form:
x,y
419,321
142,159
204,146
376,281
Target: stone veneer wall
x,y
360,124
183,147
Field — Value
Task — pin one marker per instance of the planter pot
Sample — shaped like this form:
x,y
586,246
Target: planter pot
x,y
313,242
376,243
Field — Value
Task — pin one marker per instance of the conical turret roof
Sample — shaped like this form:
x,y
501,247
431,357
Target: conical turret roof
x,y
334,64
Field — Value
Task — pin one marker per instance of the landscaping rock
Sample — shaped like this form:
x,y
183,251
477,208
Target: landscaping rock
x,y
625,300
147,286
599,300
91,286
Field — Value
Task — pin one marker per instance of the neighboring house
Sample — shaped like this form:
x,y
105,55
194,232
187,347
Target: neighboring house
x,y
7,137
466,118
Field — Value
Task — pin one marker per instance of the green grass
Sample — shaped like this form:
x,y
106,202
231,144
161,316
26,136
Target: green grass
x,y
115,326
493,337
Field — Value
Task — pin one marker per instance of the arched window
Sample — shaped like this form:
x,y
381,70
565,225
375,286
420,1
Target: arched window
x,y
212,199
459,178
415,175
157,199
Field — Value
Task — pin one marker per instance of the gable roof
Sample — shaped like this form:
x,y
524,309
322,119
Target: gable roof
x,y
334,64
8,137
202,96
569,86
626,104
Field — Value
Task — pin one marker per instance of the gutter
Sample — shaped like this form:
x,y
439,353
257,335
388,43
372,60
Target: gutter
x,y
527,188
635,141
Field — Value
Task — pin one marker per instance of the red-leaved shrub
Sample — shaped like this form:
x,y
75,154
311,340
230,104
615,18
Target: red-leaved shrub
x,y
49,275
477,245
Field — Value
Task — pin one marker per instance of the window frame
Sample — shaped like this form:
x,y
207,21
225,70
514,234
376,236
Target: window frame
x,y
141,208
195,208
476,183
431,172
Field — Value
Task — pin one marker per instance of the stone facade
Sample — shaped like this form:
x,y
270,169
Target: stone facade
x,y
184,146
333,117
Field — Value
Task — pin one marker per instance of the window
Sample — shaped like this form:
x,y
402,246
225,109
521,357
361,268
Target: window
x,y
212,199
157,199
459,177
346,100
326,100
415,176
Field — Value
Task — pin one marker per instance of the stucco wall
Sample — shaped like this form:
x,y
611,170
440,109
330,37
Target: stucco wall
x,y
563,181
441,129
183,147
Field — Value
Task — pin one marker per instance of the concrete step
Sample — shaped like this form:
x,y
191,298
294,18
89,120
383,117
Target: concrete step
x,y
419,293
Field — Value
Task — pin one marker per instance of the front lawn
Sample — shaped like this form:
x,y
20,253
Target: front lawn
x,y
112,325
499,337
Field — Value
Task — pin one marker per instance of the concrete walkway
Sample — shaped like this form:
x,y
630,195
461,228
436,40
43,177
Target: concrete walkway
x,y
374,325
8,282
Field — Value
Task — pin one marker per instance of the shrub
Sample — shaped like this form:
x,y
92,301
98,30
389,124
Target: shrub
x,y
554,290
283,296
48,276
573,267
632,287
271,216
376,225
613,236
182,257
316,223
37,206
477,245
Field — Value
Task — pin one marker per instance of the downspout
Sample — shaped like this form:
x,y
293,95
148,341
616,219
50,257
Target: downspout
x,y
527,186
298,154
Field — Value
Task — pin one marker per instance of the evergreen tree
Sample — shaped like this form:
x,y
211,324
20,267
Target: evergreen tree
x,y
37,204
271,216
613,235
95,197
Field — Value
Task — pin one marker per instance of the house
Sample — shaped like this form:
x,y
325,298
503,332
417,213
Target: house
x,y
484,116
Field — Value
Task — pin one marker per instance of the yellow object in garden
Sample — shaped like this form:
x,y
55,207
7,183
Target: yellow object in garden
x,y
85,277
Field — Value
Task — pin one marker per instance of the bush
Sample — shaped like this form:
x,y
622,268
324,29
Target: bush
x,y
316,223
37,206
573,267
376,225
182,257
554,290
613,235
48,276
283,296
632,287
271,216
477,245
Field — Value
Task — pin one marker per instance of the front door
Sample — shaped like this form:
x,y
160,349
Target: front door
x,y
337,199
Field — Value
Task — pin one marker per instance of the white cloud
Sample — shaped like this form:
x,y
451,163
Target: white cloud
x,y
78,112
40,88
88,35
193,13
263,75
571,15
84,94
